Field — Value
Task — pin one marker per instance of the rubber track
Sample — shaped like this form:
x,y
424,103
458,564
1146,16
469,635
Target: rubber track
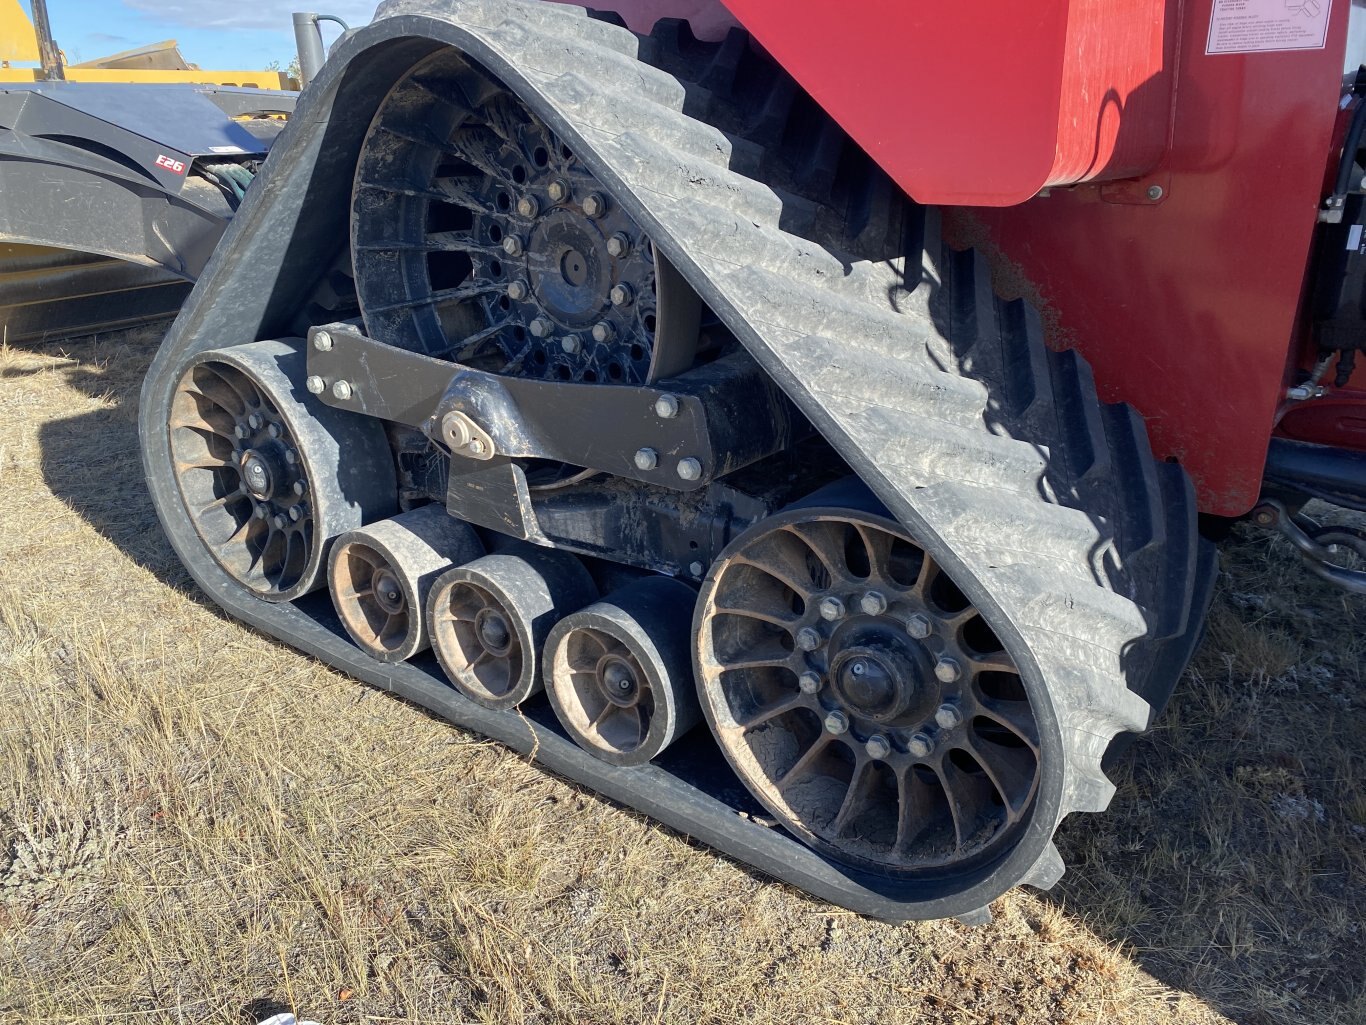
x,y
1039,543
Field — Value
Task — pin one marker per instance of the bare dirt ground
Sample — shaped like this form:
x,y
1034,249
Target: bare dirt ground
x,y
199,825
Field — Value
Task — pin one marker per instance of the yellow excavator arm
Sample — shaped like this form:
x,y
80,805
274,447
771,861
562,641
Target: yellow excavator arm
x,y
18,41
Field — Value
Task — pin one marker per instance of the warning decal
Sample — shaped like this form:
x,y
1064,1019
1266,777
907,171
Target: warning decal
x,y
1263,26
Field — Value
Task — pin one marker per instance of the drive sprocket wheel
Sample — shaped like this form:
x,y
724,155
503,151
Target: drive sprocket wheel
x,y
862,698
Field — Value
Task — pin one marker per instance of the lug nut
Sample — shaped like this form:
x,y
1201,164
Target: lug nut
x,y
603,331
255,421
291,457
295,514
261,511
299,488
808,639
877,746
518,290
946,670
571,344
948,716
832,608
275,430
594,205
690,469
666,407
873,603
512,245
837,722
647,459
809,682
322,341
919,626
528,207
920,745
280,522
540,327
559,191
242,432
622,295
618,245
315,385
342,390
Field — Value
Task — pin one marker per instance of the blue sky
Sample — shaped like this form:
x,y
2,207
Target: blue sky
x,y
228,34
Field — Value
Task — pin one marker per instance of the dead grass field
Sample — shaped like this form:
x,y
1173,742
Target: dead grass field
x,y
199,825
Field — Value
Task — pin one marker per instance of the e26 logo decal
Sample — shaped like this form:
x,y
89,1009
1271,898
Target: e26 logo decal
x,y
171,164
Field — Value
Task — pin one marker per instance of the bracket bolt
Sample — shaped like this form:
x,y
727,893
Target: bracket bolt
x,y
603,331
690,468
832,609
808,639
594,205
322,341
518,290
666,407
622,295
618,245
697,569
877,746
528,207
873,603
315,385
540,327
1156,192
559,191
920,745
809,682
475,447
342,390
647,459
837,722
946,670
948,716
919,626
571,344
512,245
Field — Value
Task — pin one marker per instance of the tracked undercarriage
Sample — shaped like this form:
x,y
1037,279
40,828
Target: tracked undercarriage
x,y
672,446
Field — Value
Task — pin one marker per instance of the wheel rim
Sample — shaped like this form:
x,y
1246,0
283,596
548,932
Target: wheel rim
x,y
604,692
478,640
371,599
242,478
862,698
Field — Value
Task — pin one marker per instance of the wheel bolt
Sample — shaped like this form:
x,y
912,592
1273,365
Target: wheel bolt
x,y
300,488
647,459
808,639
666,407
295,514
315,385
518,290
946,670
528,207
322,341
919,626
837,722
280,522
622,295
948,716
540,327
832,609
275,430
877,746
618,245
603,331
512,245
559,191
255,421
571,344
291,457
261,511
920,745
594,205
341,390
242,432
690,469
809,682
873,604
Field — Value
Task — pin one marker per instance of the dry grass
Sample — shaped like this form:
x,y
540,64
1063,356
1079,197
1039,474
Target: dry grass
x,y
197,824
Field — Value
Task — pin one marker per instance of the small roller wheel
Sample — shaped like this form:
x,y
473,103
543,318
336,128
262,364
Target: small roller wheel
x,y
619,673
490,619
269,475
382,574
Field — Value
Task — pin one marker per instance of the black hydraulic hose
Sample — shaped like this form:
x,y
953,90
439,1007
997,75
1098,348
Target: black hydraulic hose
x,y
1350,147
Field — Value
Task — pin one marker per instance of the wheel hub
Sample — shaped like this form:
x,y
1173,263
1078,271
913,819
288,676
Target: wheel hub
x,y
882,679
259,473
618,680
569,270
492,629
388,591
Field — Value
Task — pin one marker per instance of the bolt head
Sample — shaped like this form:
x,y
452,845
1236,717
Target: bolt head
x,y
295,514
647,459
618,245
697,569
255,421
832,608
877,746
603,331
280,522
594,205
808,639
571,344
559,191
342,390
809,682
919,626
947,716
476,446
666,407
512,245
528,207
690,468
837,723
518,290
946,670
540,327
920,745
315,385
322,341
873,603
242,432
275,430
621,295
299,488
291,456
1155,192
261,511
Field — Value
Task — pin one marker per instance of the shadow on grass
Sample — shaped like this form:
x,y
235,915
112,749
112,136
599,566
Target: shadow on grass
x,y
1231,863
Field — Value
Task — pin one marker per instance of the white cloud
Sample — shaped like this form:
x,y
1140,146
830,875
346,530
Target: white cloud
x,y
266,14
